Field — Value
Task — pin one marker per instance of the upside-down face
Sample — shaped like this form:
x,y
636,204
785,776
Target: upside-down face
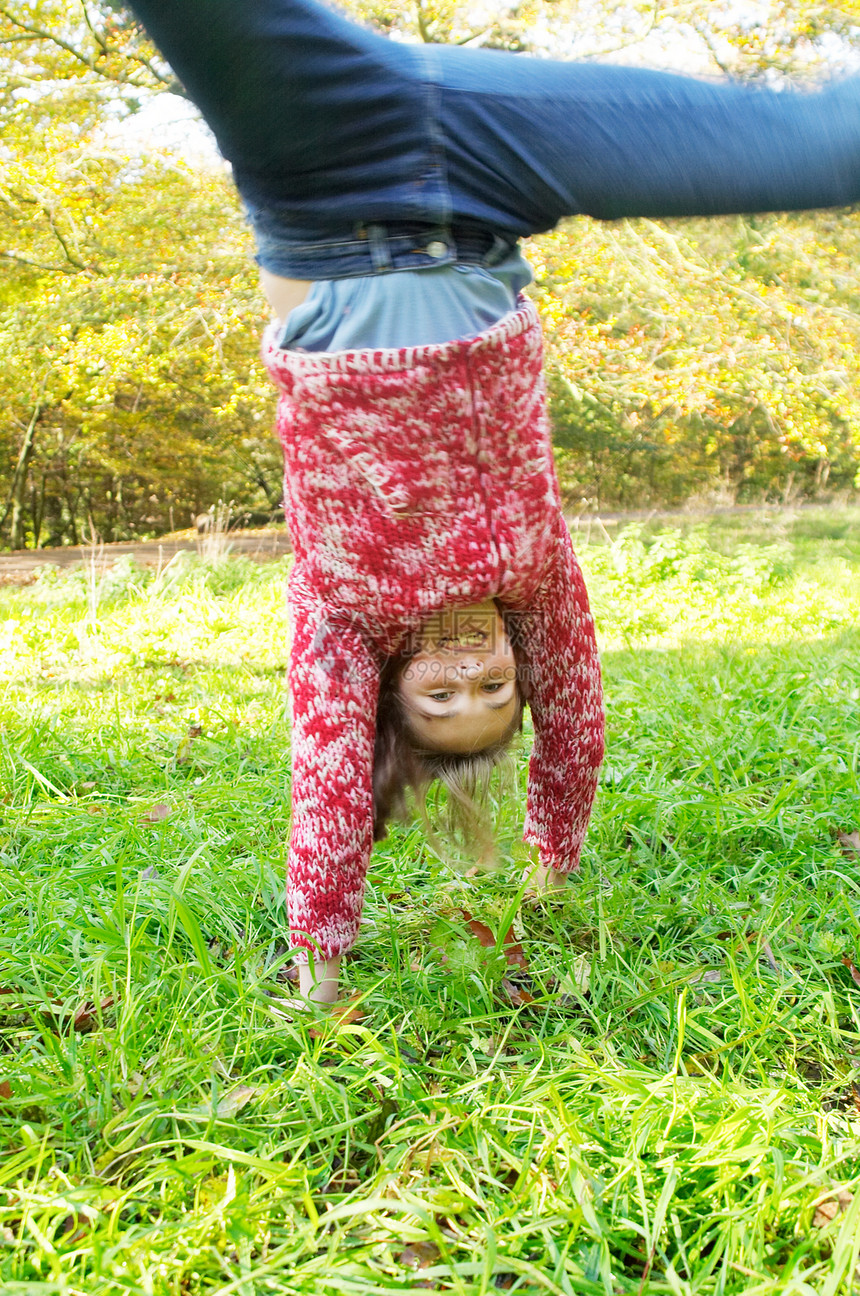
x,y
459,689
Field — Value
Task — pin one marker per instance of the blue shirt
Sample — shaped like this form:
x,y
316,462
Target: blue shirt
x,y
406,307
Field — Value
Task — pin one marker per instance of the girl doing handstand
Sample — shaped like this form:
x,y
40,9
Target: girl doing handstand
x,y
435,590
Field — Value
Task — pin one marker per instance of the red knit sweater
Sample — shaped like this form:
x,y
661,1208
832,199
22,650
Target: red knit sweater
x,y
417,480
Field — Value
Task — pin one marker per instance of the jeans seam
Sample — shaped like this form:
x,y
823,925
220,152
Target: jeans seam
x,y
436,137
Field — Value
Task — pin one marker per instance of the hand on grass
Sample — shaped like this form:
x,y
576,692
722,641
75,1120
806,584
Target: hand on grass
x,y
545,882
319,985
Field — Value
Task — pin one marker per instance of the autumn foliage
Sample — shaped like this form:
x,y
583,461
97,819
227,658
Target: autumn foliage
x,y
686,359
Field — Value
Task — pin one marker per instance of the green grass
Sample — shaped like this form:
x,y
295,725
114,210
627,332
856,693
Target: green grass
x,y
666,1116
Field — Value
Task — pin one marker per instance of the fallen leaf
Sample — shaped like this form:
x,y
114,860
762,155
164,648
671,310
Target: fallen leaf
x,y
184,745
157,814
349,1015
513,951
479,930
768,953
5,1089
578,982
74,1228
86,1018
511,948
831,1207
236,1099
504,1281
517,995
343,1013
344,1180
855,975
419,1255
850,843
703,1062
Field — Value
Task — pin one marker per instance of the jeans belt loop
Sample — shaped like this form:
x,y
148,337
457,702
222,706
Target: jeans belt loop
x,y
380,252
499,251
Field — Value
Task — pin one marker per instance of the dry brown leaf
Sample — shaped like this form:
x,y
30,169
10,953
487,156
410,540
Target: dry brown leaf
x,y
849,963
511,948
831,1207
479,930
343,1013
513,951
419,1255
517,995
768,953
850,843
86,1018
184,747
74,1228
344,1180
157,814
5,1089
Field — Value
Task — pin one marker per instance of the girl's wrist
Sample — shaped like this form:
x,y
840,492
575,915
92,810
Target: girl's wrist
x,y
319,982
544,878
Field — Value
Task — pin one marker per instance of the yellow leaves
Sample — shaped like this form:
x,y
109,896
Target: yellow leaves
x,y
709,319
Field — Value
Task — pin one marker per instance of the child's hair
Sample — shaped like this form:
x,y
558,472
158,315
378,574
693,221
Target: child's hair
x,y
401,764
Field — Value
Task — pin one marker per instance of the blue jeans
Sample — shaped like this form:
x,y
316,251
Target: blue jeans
x,y
355,154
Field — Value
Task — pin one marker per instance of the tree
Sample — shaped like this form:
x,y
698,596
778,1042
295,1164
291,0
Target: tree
x,y
129,338
130,312
699,356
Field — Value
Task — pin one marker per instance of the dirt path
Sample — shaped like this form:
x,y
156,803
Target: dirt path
x,y
22,564
261,545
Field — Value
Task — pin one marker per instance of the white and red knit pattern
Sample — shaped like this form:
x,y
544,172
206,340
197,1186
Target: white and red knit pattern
x,y
417,480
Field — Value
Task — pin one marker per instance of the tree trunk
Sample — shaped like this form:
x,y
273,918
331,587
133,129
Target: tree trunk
x,y
19,481
37,508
